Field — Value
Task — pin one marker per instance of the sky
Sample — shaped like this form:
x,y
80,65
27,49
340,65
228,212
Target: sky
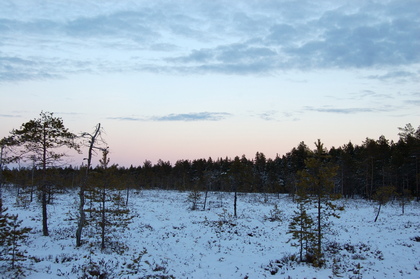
x,y
175,80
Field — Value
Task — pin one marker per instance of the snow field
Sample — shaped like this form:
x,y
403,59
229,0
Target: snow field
x,y
213,244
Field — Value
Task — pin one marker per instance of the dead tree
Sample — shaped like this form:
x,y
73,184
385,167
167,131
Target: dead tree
x,y
92,142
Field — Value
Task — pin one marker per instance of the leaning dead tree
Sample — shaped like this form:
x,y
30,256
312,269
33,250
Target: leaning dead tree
x,y
93,142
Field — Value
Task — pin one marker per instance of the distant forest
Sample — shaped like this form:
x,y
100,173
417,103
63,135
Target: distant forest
x,y
362,169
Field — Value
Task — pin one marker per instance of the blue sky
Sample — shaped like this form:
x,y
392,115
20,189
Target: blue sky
x,y
196,79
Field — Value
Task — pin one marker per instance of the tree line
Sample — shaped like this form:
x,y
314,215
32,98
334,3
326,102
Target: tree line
x,y
361,170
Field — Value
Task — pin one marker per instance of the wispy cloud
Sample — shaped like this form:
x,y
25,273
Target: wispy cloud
x,y
274,115
352,110
413,102
123,118
9,115
364,94
234,59
269,115
340,110
197,116
400,75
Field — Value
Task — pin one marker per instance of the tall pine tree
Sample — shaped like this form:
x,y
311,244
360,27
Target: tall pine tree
x,y
316,187
42,140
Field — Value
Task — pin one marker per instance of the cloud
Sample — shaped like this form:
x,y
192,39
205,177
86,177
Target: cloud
x,y
371,36
364,94
268,115
207,37
197,116
370,94
126,118
413,102
353,110
399,75
13,68
239,58
136,26
340,110
9,116
274,115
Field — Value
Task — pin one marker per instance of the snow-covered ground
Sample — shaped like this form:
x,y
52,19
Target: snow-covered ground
x,y
170,240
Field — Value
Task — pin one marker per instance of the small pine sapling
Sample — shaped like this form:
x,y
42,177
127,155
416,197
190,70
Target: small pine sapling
x,y
404,198
275,214
11,238
17,235
4,224
194,197
301,229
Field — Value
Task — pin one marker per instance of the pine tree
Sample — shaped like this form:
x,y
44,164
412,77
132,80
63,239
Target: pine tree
x,y
38,140
382,195
301,228
316,186
108,211
14,239
194,197
11,238
4,225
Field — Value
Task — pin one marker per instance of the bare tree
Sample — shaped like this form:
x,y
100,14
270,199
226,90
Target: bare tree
x,y
93,142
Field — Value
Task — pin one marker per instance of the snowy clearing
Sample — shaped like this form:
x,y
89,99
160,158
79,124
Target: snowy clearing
x,y
167,240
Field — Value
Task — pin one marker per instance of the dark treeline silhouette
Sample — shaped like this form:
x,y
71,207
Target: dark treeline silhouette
x,y
362,169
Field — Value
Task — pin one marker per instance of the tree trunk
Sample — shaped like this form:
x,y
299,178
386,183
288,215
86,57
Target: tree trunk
x,y
403,204
44,213
319,225
44,186
103,220
371,179
82,215
33,182
235,202
1,177
379,210
127,194
417,180
301,237
205,200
